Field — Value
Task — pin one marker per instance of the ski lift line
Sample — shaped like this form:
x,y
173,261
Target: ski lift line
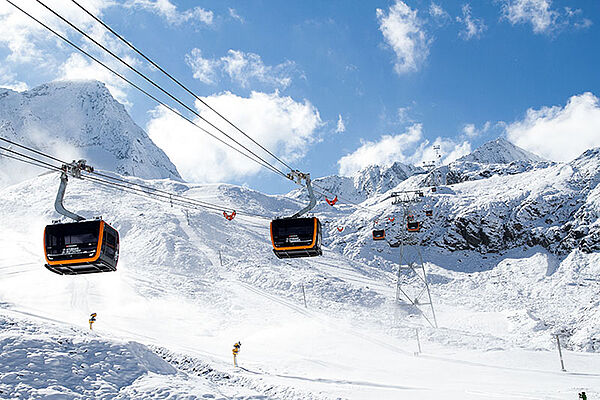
x,y
154,197
174,198
32,150
200,202
25,161
176,81
166,197
166,200
157,86
45,164
137,87
262,162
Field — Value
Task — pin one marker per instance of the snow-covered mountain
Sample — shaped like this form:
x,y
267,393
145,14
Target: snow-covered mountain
x,y
512,258
364,184
80,119
500,151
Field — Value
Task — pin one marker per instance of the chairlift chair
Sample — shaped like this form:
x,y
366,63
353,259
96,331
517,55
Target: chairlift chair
x,y
429,213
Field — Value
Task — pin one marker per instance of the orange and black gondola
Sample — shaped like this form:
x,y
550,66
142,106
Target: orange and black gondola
x,y
413,226
379,234
296,237
82,247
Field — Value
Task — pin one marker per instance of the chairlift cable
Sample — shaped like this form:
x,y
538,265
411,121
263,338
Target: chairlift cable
x,y
262,162
147,79
66,40
164,196
175,80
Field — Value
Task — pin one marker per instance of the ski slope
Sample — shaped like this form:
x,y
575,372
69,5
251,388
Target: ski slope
x,y
186,291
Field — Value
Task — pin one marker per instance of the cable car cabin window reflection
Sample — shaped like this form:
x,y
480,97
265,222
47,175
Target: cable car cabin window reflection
x,y
81,247
296,237
378,234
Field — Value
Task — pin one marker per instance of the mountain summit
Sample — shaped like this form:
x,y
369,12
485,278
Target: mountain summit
x,y
80,119
500,151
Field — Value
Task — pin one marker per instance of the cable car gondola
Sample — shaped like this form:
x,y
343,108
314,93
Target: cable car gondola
x,y
413,226
295,236
379,234
82,247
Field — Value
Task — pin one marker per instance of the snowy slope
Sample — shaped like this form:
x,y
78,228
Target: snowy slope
x,y
185,291
80,119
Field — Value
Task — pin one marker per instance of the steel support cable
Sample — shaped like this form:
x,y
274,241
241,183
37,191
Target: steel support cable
x,y
157,86
174,195
166,199
32,150
169,197
264,163
268,166
356,205
26,161
166,196
176,81
46,165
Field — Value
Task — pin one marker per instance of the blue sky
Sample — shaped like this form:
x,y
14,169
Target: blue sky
x,y
334,86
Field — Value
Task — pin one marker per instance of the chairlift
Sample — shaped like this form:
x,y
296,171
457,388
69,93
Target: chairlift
x,y
83,246
331,202
429,213
294,236
378,234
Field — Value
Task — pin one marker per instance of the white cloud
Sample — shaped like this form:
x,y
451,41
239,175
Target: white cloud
x,y
33,49
169,11
9,80
536,12
404,32
473,27
242,68
204,69
279,123
438,14
559,133
470,131
408,147
341,127
233,14
542,16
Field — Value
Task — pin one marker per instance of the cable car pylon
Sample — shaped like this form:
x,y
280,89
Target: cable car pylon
x,y
295,236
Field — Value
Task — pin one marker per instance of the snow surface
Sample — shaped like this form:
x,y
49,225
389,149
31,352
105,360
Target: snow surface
x,y
74,120
184,293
